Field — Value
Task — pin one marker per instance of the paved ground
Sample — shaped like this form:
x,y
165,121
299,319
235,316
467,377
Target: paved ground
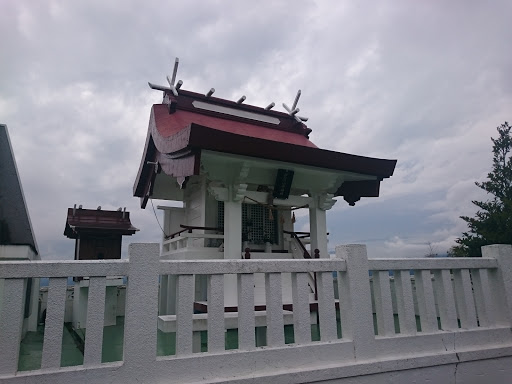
x,y
32,345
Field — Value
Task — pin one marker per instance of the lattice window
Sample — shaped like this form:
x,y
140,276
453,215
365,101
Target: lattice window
x,y
257,225
220,214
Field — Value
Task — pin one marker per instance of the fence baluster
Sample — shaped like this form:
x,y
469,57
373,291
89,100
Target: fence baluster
x,y
246,322
274,300
464,296
95,321
216,342
184,311
446,300
426,303
483,297
383,303
52,345
405,303
301,316
326,307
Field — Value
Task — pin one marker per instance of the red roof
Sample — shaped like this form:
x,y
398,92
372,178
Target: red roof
x,y
183,126
170,124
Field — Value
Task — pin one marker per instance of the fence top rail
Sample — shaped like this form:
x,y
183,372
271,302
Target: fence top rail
x,y
184,267
57,268
435,263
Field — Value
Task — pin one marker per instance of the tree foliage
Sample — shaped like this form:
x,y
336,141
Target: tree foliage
x,y
492,223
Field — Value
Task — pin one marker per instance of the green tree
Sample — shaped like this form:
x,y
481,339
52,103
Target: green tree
x,y
492,223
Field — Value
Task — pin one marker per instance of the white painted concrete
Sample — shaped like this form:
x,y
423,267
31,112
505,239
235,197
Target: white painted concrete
x,y
81,299
472,354
318,230
23,253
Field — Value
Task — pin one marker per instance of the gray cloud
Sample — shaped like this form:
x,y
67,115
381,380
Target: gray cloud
x,y
423,82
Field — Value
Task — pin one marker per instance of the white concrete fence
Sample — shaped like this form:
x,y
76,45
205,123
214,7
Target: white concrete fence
x,y
464,310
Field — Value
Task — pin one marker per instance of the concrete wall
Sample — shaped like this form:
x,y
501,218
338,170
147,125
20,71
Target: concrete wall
x,y
479,350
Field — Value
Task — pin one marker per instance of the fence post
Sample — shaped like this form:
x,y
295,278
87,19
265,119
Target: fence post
x,y
500,280
11,321
141,309
355,300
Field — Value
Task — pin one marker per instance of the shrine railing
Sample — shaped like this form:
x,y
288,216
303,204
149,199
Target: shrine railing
x,y
187,238
298,237
428,312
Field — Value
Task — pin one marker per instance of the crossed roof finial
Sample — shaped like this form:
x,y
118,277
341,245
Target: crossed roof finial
x,y
173,88
294,110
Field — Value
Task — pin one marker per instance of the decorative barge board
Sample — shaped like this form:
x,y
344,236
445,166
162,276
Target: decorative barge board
x,y
240,171
98,236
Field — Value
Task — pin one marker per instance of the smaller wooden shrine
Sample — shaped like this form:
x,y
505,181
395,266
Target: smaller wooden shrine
x,y
98,233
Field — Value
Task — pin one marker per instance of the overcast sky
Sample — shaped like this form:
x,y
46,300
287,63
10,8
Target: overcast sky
x,y
423,82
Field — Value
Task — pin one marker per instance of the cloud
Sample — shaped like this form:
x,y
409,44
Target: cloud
x,y
425,83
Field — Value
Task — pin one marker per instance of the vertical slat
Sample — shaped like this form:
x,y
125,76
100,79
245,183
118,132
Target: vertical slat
x,y
246,322
405,303
326,307
11,323
446,300
274,300
483,298
345,305
52,345
464,297
426,303
301,318
216,342
184,311
171,294
162,297
383,303
95,321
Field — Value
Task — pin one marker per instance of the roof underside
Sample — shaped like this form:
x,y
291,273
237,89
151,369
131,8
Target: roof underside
x,y
190,125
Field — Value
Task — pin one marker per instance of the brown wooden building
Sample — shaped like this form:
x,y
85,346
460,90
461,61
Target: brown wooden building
x,y
98,233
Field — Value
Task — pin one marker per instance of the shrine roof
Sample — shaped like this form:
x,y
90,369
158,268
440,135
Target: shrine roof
x,y
170,124
188,123
98,221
